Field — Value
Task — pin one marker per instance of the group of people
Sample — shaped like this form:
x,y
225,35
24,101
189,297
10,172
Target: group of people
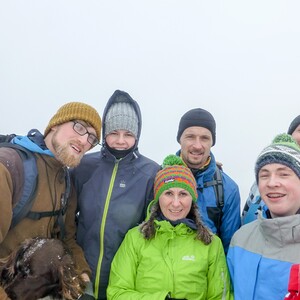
x,y
141,230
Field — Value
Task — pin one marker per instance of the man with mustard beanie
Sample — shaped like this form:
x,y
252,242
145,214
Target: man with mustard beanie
x,y
114,187
218,195
262,253
72,131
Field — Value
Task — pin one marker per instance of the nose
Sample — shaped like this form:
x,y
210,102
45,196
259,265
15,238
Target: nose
x,y
176,201
273,181
83,139
121,139
197,143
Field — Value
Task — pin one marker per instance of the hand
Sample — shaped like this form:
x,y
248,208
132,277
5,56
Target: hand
x,y
88,293
85,277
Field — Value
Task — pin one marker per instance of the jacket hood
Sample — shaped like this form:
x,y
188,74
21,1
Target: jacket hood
x,y
34,142
120,96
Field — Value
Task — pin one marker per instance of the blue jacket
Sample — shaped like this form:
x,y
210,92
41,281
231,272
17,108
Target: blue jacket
x,y
260,256
231,219
112,198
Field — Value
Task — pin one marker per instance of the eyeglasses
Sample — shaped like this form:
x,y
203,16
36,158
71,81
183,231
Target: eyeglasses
x,y
81,130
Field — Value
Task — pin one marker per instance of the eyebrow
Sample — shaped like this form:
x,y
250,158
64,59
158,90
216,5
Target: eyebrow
x,y
84,123
283,168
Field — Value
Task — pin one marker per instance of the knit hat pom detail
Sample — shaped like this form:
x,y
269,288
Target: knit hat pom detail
x,y
172,160
284,138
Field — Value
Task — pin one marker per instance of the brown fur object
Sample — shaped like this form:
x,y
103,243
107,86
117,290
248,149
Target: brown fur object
x,y
40,267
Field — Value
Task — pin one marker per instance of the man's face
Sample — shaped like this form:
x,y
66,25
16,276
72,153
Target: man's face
x,y
279,187
67,145
195,146
296,134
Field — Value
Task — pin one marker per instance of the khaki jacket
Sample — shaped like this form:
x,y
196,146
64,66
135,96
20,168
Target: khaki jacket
x,y
50,188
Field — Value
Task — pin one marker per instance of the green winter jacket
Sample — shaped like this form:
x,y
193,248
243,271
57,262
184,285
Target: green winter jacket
x,y
173,262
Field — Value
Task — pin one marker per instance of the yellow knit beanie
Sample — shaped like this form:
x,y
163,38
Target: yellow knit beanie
x,y
76,111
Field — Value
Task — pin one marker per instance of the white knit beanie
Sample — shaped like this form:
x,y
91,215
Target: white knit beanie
x,y
121,116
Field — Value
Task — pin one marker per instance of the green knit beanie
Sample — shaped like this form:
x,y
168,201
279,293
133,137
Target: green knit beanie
x,y
174,173
283,150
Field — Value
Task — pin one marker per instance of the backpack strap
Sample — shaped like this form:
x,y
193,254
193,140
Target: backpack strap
x,y
216,213
23,206
6,138
57,213
38,215
64,203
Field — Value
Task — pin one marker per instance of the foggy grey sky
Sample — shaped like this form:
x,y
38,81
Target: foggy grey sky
x,y
238,59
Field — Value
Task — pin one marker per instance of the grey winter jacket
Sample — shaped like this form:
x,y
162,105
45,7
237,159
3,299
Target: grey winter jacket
x,y
112,198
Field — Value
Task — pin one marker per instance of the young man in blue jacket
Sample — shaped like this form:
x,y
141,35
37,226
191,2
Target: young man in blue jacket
x,y
254,203
196,135
262,253
114,187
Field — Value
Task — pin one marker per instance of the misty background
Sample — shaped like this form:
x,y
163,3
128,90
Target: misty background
x,y
240,60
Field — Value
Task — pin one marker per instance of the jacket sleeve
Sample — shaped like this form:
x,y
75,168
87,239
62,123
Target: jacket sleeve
x,y
231,219
123,273
218,277
6,187
70,235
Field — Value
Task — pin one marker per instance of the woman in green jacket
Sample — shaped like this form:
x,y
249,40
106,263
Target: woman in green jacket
x,y
171,255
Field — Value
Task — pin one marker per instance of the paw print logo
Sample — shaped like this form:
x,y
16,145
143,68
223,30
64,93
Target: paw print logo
x,y
122,184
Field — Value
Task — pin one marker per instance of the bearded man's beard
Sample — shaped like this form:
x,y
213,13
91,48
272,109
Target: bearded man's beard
x,y
62,154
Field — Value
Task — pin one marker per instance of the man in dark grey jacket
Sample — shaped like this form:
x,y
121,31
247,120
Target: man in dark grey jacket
x,y
114,187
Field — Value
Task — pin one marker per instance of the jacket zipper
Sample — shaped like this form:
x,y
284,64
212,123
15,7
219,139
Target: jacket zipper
x,y
102,229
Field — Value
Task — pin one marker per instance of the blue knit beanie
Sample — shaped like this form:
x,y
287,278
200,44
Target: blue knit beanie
x,y
283,150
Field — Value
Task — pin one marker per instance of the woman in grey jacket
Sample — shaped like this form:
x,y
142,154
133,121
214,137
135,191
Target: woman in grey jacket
x,y
114,187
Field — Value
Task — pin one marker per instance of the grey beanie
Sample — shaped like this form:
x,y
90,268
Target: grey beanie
x,y
121,116
197,117
294,125
283,150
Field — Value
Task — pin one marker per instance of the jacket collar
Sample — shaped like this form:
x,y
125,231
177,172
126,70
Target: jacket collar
x,y
34,141
133,154
280,230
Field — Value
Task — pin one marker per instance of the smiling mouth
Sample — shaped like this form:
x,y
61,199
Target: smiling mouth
x,y
77,149
274,196
196,153
175,211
